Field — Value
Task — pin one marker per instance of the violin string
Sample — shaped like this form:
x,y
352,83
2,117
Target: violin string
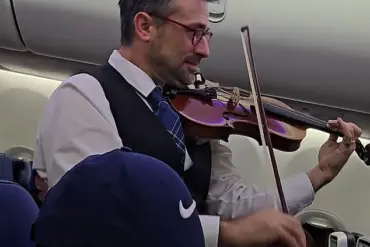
x,y
246,95
317,121
310,118
313,120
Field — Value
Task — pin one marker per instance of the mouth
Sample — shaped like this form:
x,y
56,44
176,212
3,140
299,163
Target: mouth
x,y
192,66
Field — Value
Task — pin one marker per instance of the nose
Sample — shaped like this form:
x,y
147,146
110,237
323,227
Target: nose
x,y
202,49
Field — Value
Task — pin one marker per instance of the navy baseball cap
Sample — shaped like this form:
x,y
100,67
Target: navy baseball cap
x,y
119,198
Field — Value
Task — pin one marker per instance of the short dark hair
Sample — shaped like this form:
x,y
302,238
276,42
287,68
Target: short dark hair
x,y
129,8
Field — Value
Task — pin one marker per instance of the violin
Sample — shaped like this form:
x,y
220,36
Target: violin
x,y
216,112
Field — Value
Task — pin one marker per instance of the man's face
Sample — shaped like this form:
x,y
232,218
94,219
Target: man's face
x,y
174,54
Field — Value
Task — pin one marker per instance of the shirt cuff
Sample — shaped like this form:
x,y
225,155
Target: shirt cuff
x,y
211,228
298,192
42,174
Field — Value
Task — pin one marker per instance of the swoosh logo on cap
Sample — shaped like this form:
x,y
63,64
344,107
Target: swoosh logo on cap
x,y
186,213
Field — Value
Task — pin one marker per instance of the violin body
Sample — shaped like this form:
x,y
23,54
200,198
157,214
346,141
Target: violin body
x,y
218,112
221,117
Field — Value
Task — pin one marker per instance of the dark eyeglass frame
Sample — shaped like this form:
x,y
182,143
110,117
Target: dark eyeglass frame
x,y
198,33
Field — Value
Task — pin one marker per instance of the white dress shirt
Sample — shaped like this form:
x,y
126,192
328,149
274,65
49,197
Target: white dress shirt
x,y
77,122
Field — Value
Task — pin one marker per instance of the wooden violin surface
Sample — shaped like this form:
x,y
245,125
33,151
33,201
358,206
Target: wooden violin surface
x,y
221,117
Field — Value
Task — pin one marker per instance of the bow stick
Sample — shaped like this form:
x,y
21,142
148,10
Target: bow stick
x,y
260,111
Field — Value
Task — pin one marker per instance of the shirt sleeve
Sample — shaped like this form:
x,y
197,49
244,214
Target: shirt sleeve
x,y
76,123
211,226
230,197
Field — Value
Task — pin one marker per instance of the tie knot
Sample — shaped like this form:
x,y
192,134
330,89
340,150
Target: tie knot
x,y
155,96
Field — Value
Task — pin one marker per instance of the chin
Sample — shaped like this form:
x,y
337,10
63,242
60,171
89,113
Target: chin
x,y
192,70
183,83
189,79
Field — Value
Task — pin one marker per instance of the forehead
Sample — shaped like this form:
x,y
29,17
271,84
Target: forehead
x,y
191,12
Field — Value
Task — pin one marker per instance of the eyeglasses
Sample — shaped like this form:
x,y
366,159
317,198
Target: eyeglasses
x,y
198,33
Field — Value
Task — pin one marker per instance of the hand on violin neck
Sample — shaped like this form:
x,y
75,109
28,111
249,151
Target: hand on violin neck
x,y
333,155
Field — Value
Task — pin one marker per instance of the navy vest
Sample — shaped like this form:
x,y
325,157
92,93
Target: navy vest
x,y
140,130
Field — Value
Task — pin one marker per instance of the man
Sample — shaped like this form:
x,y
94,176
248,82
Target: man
x,y
119,104
119,198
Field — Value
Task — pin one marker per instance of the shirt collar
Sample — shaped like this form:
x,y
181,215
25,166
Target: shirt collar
x,y
133,74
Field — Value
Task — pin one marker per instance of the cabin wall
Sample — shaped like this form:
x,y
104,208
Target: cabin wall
x,y
23,97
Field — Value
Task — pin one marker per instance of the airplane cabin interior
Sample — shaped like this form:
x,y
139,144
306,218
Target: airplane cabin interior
x,y
314,56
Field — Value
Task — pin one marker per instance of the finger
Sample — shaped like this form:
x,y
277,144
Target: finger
x,y
294,227
333,138
347,148
357,130
338,125
347,130
333,124
351,139
287,239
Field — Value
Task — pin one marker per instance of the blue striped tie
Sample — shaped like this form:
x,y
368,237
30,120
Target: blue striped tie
x,y
168,117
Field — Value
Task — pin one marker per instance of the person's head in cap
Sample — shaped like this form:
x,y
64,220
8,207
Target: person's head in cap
x,y
119,198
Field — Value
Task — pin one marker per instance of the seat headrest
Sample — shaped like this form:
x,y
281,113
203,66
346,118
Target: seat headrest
x,y
15,170
22,173
6,167
18,211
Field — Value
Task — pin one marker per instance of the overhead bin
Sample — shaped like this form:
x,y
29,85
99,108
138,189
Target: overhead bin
x,y
82,30
314,51
9,36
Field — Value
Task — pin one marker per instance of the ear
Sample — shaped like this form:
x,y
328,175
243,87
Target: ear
x,y
144,27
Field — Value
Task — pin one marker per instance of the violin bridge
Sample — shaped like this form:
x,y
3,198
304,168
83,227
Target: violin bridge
x,y
234,97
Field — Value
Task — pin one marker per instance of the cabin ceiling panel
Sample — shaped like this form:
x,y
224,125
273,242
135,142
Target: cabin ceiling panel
x,y
82,30
310,51
9,36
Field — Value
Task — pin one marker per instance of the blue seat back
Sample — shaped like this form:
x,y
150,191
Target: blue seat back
x,y
22,172
18,211
6,167
15,170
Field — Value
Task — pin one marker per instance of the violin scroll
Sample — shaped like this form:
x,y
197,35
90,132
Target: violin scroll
x,y
363,152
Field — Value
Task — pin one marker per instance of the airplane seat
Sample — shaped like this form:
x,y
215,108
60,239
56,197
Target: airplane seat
x,y
6,167
15,170
318,225
22,173
19,171
18,211
22,157
31,181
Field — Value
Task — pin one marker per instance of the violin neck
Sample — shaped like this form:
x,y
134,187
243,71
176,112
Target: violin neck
x,y
297,118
